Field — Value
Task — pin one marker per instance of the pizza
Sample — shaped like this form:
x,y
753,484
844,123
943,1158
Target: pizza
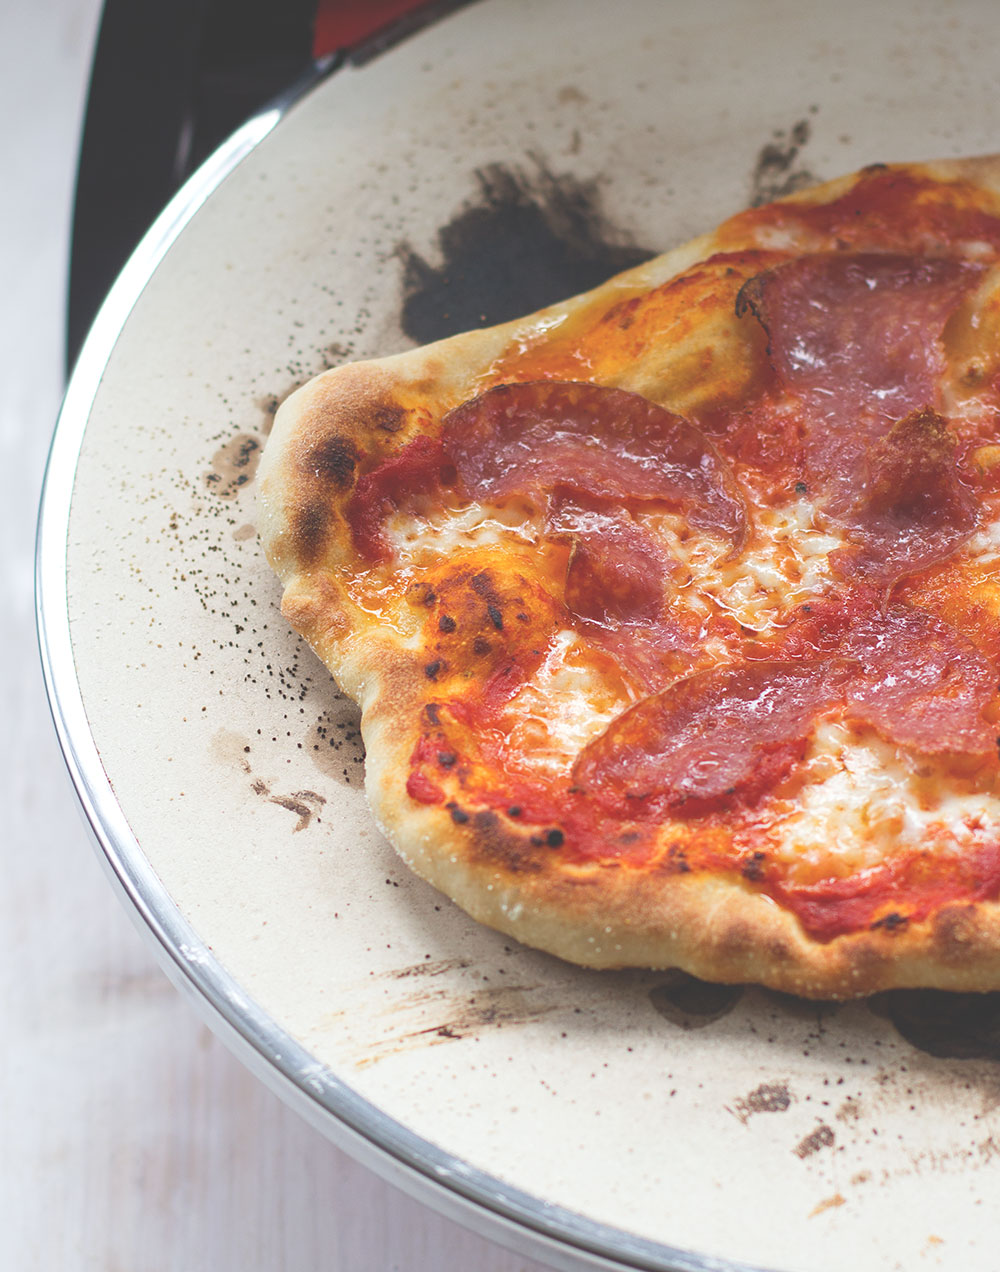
x,y
673,610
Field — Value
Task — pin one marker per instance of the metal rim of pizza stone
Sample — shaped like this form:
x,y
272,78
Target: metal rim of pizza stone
x,y
460,1192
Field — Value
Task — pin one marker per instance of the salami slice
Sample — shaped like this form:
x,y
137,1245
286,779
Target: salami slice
x,y
920,682
617,572
732,730
855,337
597,442
913,510
417,469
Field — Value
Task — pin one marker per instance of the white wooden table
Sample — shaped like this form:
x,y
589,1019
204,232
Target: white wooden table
x,y
132,1140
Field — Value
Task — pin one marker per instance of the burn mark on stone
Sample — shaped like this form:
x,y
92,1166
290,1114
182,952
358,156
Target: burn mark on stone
x,y
334,741
769,1097
491,1008
946,1025
776,173
692,1003
529,239
234,466
432,967
304,804
812,1009
821,1137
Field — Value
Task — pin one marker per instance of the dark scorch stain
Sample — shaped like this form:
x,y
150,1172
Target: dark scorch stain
x,y
436,967
303,804
776,173
769,1097
529,240
946,1025
234,466
450,1021
334,742
821,1137
692,1003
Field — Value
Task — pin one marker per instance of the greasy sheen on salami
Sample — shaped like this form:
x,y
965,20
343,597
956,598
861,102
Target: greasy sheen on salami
x,y
600,442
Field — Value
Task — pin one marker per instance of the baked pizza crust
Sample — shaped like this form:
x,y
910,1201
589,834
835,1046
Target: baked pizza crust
x,y
604,913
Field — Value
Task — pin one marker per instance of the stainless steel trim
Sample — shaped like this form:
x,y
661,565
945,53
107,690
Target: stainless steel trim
x,y
516,1219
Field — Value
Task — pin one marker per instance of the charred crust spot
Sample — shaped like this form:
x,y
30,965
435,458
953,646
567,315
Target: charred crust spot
x,y
388,417
311,526
482,585
891,922
801,488
736,941
432,669
779,951
554,838
332,458
514,810
446,758
496,618
432,712
481,646
421,593
954,929
749,299
753,868
503,848
677,861
458,815
446,623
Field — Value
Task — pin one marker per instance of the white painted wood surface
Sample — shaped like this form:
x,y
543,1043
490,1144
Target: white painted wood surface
x,y
132,1140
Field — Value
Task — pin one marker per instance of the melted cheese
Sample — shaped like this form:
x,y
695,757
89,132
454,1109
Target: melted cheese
x,y
444,531
565,705
984,546
784,564
865,797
